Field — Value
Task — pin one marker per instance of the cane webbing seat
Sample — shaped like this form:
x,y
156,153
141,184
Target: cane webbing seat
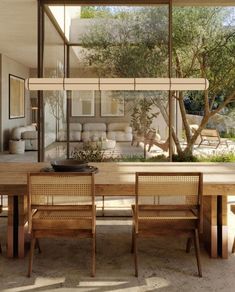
x,y
61,205
167,203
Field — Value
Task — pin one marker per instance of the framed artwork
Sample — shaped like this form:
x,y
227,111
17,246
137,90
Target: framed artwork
x,y
16,97
83,103
112,104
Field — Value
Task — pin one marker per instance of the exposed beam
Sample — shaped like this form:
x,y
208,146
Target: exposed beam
x,y
141,2
104,2
203,2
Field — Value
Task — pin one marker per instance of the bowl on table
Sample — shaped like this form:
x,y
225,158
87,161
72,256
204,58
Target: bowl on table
x,y
68,165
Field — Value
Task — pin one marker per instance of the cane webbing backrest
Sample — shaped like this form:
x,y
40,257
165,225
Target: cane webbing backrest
x,y
168,188
51,189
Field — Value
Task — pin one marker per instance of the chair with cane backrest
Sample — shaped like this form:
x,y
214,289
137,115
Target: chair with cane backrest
x,y
61,205
1,207
167,204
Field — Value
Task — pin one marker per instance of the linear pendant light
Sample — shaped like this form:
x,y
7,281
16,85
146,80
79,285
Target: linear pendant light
x,y
168,84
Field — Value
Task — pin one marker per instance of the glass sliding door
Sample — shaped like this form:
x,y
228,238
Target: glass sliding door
x,y
120,42
55,104
206,50
107,42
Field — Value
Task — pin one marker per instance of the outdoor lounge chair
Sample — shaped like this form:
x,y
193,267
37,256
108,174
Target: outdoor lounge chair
x,y
61,205
168,204
211,137
150,139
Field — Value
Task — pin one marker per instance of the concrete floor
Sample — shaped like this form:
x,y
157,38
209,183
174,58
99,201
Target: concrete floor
x,y
58,151
64,264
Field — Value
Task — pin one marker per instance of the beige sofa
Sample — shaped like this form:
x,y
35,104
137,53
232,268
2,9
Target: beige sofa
x,y
120,132
27,133
93,131
75,134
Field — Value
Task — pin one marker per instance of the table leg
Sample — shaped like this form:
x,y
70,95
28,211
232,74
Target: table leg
x,y
210,232
21,224
222,227
10,241
16,223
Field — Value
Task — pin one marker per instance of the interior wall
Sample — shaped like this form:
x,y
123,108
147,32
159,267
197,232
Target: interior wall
x,y
10,66
1,148
97,118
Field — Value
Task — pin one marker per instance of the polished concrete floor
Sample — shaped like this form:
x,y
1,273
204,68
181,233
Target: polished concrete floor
x,y
58,150
64,264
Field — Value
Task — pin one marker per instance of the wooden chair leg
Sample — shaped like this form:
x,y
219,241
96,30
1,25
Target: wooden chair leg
x,y
135,255
197,251
233,248
0,248
32,247
37,245
93,255
132,239
189,244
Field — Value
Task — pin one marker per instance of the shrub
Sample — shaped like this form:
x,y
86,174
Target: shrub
x,y
184,158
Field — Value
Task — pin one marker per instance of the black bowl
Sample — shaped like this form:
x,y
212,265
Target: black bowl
x,y
68,165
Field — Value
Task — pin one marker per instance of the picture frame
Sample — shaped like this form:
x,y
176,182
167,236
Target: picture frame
x,y
16,97
83,103
112,104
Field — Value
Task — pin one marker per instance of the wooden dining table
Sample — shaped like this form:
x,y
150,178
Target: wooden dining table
x,y
118,179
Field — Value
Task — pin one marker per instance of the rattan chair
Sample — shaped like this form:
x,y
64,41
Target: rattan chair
x,y
168,204
1,207
233,211
61,205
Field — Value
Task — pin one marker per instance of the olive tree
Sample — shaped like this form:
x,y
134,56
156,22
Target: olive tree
x,y
134,43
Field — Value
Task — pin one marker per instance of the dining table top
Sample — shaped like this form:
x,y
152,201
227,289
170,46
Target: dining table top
x,y
118,178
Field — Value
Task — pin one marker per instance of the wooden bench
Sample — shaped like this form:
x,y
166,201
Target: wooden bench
x,y
211,137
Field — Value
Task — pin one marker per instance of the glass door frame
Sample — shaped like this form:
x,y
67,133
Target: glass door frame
x,y
42,10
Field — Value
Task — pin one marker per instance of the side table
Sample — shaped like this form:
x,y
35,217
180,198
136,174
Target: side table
x,y
16,146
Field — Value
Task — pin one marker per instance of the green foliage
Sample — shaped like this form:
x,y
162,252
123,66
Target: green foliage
x,y
140,158
89,153
221,157
141,117
95,12
227,135
131,43
205,46
134,43
184,158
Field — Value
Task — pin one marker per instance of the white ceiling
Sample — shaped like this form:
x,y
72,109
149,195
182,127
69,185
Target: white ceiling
x,y
18,27
18,30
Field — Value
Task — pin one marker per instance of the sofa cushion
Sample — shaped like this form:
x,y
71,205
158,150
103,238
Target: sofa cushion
x,y
94,127
29,135
75,127
119,127
128,129
17,132
93,135
120,136
74,136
